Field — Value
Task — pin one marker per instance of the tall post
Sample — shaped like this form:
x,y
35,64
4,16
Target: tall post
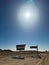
x,y
37,50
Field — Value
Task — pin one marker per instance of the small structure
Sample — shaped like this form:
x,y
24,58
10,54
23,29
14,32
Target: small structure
x,y
35,47
20,47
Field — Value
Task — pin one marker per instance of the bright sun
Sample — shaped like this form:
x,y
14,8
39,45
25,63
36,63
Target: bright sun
x,y
28,16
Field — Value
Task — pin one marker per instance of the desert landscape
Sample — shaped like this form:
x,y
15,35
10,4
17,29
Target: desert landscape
x,y
24,32
30,58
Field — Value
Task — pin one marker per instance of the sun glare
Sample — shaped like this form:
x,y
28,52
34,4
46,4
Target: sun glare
x,y
28,16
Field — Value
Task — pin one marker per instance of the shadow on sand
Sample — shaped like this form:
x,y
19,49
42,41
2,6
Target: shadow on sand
x,y
17,57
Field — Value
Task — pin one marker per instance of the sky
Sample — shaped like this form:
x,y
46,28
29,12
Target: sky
x,y
10,32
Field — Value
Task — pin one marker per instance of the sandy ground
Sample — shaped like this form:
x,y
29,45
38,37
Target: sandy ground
x,y
47,59
11,60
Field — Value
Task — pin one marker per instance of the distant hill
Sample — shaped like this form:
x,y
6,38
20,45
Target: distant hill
x,y
5,50
1,50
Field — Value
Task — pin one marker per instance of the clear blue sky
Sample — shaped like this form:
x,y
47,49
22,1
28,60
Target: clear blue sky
x,y
11,34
